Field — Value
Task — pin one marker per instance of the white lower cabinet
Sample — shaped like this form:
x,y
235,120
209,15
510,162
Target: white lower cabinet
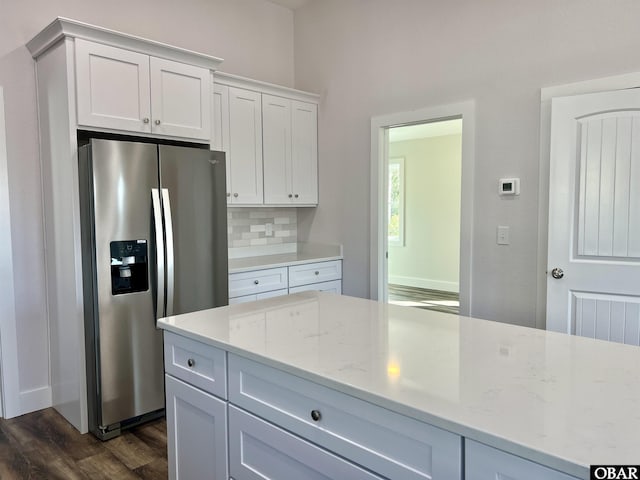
x,y
486,463
331,287
272,282
259,450
196,432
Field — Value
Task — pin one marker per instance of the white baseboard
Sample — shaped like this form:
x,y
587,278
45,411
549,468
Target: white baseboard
x,y
35,399
425,283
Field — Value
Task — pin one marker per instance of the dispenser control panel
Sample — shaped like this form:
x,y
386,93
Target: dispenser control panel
x,y
129,266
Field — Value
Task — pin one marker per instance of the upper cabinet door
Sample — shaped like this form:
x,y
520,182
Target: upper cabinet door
x,y
276,148
244,158
220,127
112,87
180,99
304,128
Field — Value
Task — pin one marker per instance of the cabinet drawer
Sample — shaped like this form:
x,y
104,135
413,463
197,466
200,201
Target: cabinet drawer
x,y
482,462
261,451
314,273
200,365
382,441
334,286
258,281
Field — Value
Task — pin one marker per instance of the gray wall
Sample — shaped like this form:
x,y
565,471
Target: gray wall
x,y
254,37
375,57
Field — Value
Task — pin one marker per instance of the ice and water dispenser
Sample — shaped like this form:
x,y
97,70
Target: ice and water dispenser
x,y
129,266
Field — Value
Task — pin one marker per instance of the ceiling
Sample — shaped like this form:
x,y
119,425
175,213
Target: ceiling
x,y
425,130
292,4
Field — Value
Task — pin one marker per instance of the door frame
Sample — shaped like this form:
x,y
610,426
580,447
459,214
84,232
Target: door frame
x,y
9,382
617,82
379,165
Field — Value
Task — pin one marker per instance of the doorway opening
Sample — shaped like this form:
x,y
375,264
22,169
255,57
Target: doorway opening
x,y
424,183
422,207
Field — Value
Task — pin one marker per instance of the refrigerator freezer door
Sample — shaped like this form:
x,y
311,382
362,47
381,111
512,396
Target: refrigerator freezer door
x,y
194,195
129,346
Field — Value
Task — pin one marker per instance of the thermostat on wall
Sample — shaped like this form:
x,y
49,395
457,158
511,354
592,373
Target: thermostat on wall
x,y
509,186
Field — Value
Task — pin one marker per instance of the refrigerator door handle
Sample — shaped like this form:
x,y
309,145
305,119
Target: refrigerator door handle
x,y
168,228
157,222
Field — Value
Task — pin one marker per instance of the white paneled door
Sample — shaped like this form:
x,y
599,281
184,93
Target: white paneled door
x,y
593,282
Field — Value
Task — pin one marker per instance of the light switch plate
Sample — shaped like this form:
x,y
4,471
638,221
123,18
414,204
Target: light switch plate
x,y
503,235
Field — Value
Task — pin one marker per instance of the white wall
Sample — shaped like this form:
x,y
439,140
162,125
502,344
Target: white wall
x,y
253,36
374,57
430,256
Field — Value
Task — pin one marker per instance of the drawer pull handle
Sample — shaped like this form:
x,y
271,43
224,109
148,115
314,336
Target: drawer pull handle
x,y
191,362
316,415
317,272
256,282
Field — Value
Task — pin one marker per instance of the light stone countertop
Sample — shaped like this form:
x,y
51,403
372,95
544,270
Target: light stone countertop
x,y
306,253
559,400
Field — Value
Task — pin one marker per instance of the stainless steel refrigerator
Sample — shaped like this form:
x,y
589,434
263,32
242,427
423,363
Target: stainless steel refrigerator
x,y
154,244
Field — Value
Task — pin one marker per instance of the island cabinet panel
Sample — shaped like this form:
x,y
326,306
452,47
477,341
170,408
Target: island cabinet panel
x,y
196,433
390,444
261,451
194,362
486,463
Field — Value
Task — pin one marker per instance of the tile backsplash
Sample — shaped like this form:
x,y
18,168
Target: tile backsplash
x,y
247,227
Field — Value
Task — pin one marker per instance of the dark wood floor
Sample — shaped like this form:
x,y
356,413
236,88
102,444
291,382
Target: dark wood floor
x,y
43,445
447,302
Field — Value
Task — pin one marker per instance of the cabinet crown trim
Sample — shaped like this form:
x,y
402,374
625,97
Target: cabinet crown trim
x,y
64,27
259,86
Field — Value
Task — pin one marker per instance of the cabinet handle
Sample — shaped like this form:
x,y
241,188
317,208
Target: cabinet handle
x,y
235,195
157,122
191,362
228,194
316,415
256,282
145,120
317,272
290,195
296,195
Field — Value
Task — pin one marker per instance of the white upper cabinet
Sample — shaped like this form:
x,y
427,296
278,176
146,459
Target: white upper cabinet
x,y
304,152
112,87
290,148
276,147
125,90
220,127
244,155
270,135
180,104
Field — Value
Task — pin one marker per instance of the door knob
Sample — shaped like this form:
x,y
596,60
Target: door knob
x,y
557,273
157,122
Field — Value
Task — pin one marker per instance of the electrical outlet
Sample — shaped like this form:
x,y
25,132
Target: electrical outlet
x,y
268,230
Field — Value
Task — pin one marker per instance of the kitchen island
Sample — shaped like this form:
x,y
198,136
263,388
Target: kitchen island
x,y
352,388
